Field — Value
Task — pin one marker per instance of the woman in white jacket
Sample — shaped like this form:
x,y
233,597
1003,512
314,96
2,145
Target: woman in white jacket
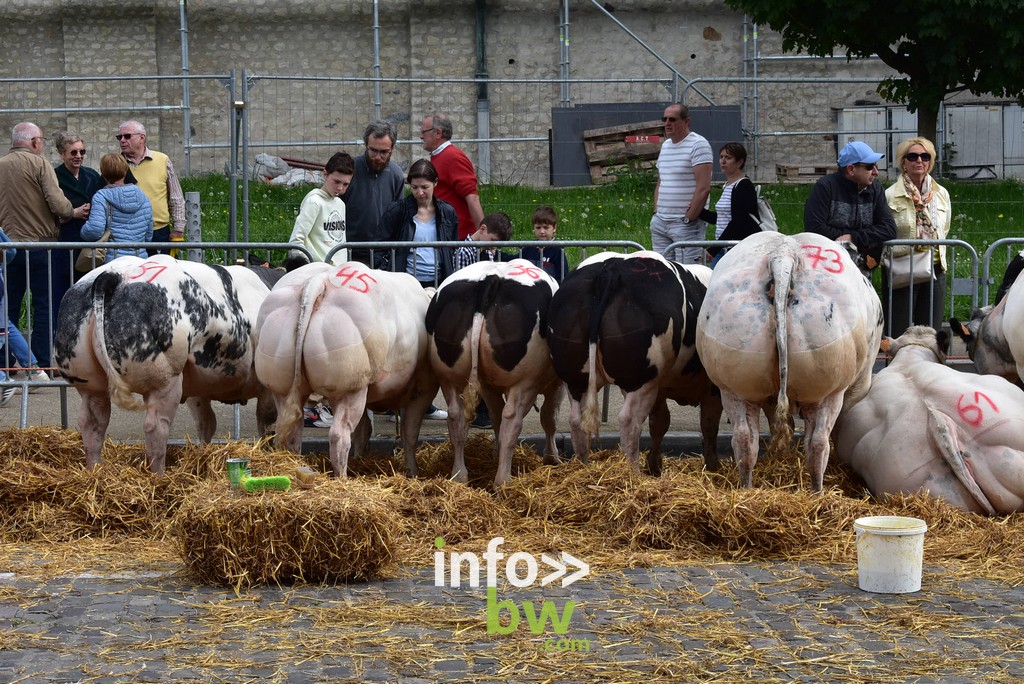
x,y
922,210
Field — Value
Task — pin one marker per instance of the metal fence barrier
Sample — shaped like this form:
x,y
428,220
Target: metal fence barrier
x,y
962,281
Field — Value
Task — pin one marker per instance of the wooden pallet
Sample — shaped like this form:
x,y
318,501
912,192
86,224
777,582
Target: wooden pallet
x,y
616,148
797,173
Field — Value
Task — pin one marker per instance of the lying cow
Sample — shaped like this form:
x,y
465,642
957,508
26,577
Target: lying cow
x,y
354,335
488,328
788,320
995,336
630,321
171,331
926,427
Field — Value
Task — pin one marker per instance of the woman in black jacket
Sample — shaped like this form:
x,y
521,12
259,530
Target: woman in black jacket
x,y
736,214
420,217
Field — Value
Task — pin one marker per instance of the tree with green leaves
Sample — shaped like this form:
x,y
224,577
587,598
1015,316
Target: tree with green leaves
x,y
940,46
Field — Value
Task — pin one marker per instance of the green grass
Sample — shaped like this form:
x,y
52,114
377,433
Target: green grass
x,y
983,211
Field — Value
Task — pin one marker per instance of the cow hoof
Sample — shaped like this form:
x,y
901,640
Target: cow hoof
x,y
552,460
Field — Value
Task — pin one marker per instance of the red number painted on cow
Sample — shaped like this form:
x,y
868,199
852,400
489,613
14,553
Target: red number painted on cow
x,y
528,271
972,413
815,253
144,268
347,274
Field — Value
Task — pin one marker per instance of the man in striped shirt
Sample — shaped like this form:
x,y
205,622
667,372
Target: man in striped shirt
x,y
684,184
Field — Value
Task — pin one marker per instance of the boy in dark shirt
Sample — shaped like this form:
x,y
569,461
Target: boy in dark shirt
x,y
551,259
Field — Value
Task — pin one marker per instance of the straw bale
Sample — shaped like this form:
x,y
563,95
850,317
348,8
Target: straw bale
x,y
438,507
340,530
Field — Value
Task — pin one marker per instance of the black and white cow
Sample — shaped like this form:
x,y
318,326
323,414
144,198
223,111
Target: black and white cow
x,y
488,327
630,321
171,331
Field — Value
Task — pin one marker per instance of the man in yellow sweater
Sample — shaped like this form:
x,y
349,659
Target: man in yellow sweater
x,y
155,176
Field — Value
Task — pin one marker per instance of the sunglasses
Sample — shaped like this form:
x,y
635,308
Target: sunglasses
x,y
923,156
666,119
76,153
866,166
125,136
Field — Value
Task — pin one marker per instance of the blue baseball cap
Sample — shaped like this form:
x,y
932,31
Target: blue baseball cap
x,y
857,152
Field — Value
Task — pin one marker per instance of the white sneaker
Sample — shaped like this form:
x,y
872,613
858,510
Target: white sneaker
x,y
6,394
325,412
436,414
37,375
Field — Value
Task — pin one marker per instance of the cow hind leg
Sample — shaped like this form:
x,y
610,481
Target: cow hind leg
x,y
93,419
745,432
659,423
457,431
161,407
635,410
348,411
518,403
818,423
710,419
548,416
288,427
412,421
204,417
580,436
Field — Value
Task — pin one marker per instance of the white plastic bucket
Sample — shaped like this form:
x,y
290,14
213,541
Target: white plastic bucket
x,y
890,551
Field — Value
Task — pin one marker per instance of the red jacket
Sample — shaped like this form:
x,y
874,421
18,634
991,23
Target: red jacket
x,y
456,178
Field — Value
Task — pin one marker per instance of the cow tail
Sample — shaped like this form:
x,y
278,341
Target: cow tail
x,y
291,410
471,395
103,288
781,267
606,285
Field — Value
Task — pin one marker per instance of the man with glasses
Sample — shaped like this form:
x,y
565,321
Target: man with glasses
x,y
683,188
376,184
849,205
31,207
155,176
456,176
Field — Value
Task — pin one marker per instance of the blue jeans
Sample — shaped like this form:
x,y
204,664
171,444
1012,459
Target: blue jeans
x,y
30,271
15,348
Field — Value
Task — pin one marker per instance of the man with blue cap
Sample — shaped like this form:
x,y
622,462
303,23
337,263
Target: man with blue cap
x,y
849,205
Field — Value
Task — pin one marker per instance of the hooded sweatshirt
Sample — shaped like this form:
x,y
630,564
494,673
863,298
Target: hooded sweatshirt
x,y
131,218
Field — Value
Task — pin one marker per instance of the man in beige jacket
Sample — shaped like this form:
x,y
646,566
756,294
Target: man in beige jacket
x,y
31,207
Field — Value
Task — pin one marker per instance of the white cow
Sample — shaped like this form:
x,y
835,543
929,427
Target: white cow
x,y
488,329
788,320
995,336
926,427
354,335
171,331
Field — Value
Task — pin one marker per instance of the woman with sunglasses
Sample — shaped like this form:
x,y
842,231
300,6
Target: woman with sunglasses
x,y
79,184
921,208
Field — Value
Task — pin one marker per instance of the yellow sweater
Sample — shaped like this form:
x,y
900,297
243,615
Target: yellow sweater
x,y
151,174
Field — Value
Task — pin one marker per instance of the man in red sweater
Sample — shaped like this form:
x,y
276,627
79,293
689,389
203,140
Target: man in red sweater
x,y
456,177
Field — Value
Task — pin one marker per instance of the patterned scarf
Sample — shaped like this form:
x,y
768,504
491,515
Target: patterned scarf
x,y
925,229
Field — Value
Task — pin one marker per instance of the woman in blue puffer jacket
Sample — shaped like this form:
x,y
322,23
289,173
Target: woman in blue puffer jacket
x,y
131,215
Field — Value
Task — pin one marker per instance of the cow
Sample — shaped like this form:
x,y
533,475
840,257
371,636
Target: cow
x,y
171,331
789,321
630,320
488,326
925,427
995,336
354,335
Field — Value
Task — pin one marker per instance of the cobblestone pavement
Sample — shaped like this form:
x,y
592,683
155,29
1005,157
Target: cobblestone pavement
x,y
766,622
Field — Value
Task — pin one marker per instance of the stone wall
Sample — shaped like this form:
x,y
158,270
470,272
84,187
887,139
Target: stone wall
x,y
428,54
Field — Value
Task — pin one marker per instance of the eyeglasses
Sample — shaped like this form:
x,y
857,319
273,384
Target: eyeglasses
x,y
427,130
378,153
39,137
666,119
866,167
923,156
125,136
76,153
